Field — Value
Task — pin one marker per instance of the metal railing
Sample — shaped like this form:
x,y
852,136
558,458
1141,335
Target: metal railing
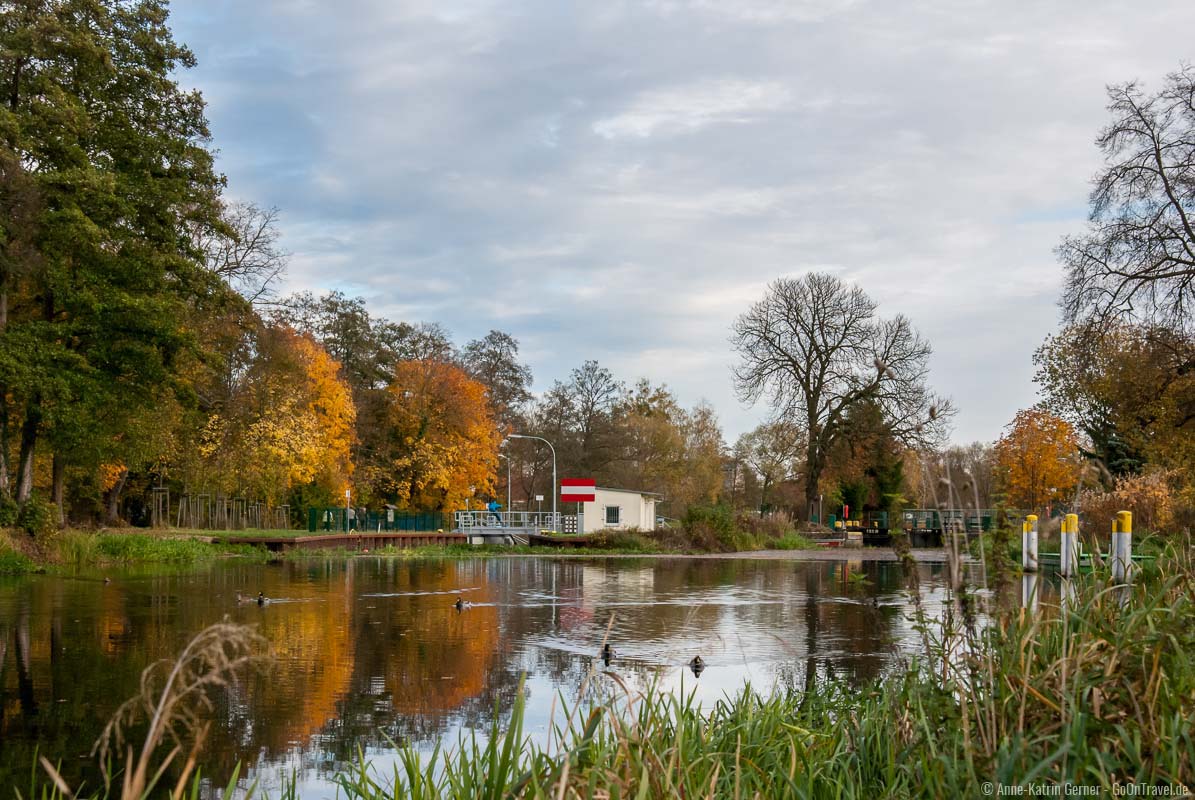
x,y
526,520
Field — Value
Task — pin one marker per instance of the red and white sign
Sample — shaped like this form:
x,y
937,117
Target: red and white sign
x,y
577,490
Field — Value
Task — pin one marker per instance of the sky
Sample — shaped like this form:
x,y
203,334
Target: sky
x,y
618,180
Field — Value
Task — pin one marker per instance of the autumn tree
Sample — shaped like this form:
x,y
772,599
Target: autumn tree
x,y
441,440
1137,256
1130,390
774,452
494,361
1038,459
816,348
287,423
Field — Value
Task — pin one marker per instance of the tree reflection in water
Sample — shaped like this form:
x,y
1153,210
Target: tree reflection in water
x,y
371,650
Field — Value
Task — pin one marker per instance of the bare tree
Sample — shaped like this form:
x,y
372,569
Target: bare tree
x,y
243,250
1137,257
816,348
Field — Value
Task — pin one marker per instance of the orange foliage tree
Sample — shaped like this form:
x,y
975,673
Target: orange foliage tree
x,y
1038,459
442,440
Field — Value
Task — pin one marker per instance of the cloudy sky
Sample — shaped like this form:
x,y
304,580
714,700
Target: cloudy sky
x,y
618,180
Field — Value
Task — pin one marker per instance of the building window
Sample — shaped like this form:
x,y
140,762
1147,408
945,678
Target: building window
x,y
613,515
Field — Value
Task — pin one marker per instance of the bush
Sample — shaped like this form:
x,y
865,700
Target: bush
x,y
12,562
620,539
37,517
1147,495
8,511
713,528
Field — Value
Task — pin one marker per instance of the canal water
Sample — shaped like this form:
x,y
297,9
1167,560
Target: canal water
x,y
371,650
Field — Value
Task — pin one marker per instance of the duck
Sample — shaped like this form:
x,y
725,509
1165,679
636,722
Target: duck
x,y
262,599
697,665
459,605
607,653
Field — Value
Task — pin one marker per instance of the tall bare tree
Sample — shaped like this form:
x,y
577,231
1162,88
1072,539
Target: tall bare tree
x,y
1137,257
816,348
242,249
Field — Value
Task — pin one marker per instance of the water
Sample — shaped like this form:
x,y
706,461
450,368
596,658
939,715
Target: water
x,y
371,650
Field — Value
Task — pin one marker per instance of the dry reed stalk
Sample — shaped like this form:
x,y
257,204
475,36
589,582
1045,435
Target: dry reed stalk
x,y
175,698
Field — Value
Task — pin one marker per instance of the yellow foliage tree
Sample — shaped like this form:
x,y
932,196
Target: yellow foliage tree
x,y
1038,459
442,438
289,423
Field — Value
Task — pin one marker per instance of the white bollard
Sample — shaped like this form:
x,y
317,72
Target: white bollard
x,y
1029,544
1122,547
1070,546
1029,591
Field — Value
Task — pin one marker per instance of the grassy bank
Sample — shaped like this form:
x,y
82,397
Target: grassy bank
x,y
68,550
1098,693
708,530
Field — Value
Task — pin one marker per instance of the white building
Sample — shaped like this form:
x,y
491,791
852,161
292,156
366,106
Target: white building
x,y
619,508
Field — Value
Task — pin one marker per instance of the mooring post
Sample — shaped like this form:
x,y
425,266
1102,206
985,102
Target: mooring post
x,y
1029,544
1122,547
1070,546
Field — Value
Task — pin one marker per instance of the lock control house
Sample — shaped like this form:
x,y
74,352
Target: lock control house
x,y
619,509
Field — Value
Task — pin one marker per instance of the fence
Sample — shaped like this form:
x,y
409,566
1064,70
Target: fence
x,y
215,512
332,519
526,520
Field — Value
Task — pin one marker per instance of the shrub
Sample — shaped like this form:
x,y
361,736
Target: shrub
x,y
8,511
713,528
37,517
1147,495
622,539
12,562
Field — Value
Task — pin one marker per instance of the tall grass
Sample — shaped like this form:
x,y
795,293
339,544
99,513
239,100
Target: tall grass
x,y
1097,691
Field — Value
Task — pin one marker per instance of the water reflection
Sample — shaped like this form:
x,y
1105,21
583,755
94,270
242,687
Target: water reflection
x,y
375,650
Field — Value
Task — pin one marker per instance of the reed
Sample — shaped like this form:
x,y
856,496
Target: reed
x,y
1096,692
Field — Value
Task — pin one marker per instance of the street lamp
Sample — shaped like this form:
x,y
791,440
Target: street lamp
x,y
553,449
507,460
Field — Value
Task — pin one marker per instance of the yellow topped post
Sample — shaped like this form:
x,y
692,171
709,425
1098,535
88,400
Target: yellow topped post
x,y
1122,547
1070,546
1029,544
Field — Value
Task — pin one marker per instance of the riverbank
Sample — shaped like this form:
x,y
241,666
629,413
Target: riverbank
x,y
73,549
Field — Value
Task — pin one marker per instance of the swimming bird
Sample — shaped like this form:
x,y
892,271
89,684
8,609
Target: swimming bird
x,y
262,599
607,653
459,604
697,665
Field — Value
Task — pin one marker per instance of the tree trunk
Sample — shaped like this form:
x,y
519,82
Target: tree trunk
x,y
5,487
58,490
112,514
29,430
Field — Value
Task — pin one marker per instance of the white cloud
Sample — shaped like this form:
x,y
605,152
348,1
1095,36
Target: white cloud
x,y
684,109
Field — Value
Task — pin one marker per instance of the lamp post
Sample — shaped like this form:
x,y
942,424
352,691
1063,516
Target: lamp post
x,y
553,449
507,460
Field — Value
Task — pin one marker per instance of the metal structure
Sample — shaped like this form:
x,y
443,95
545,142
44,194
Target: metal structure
x,y
553,449
520,523
220,513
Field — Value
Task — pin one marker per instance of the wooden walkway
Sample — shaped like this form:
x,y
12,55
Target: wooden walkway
x,y
365,541
360,541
